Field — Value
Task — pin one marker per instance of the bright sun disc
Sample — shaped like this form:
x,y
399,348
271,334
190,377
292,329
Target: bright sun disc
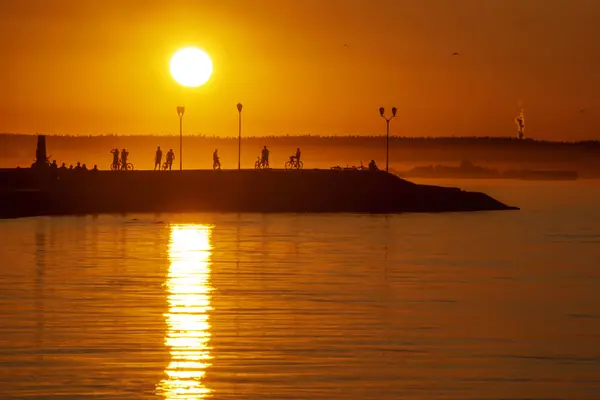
x,y
191,67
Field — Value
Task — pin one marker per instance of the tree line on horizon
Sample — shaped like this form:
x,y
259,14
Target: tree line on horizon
x,y
346,139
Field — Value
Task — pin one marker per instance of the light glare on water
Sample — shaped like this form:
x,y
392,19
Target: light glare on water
x,y
188,334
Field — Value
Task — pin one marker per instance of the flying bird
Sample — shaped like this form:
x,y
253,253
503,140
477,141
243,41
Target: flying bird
x,y
456,54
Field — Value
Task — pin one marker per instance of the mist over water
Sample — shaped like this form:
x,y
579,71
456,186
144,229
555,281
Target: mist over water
x,y
492,305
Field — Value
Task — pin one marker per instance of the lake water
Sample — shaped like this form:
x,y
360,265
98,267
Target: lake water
x,y
494,305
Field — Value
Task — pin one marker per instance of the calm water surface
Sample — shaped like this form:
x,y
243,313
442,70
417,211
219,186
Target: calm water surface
x,y
501,305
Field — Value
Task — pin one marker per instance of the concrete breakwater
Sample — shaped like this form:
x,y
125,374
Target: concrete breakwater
x,y
32,192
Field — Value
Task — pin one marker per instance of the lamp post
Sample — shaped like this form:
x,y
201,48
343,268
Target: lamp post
x,y
239,108
180,111
387,137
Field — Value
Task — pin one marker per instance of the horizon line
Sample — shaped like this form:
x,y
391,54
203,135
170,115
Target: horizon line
x,y
316,136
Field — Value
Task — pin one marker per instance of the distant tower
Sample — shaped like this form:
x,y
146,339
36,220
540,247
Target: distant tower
x,y
520,122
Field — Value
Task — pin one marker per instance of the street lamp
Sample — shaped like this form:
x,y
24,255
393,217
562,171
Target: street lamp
x,y
239,108
180,111
387,137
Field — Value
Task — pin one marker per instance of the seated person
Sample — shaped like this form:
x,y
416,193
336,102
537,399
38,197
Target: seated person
x,y
373,166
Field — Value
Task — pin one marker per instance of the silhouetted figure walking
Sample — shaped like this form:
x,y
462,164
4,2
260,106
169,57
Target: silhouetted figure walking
x,y
216,162
158,159
53,165
63,166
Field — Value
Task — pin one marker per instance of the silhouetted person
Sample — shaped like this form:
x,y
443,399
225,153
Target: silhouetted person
x,y
63,166
373,166
78,166
264,159
158,159
115,163
170,158
297,155
71,167
53,166
216,162
84,167
124,155
95,169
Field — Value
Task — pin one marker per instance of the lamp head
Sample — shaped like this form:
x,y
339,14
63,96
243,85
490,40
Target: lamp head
x,y
394,109
381,111
239,107
180,110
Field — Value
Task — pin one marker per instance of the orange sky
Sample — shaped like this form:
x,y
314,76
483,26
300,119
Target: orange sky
x,y
101,66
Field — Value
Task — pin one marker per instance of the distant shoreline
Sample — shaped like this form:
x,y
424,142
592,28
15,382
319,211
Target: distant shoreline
x,y
412,139
317,151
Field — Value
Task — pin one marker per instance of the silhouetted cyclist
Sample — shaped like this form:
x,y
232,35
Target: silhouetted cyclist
x,y
115,163
158,159
265,157
296,157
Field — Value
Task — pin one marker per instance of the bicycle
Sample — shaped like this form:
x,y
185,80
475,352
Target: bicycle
x,y
119,167
261,164
293,163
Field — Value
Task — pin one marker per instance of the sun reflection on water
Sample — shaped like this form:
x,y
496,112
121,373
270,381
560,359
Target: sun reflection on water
x,y
188,327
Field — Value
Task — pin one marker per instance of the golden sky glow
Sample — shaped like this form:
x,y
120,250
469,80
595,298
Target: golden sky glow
x,y
320,67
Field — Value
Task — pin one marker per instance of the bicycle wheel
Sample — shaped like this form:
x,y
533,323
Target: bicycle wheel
x,y
257,165
299,165
114,167
129,166
288,165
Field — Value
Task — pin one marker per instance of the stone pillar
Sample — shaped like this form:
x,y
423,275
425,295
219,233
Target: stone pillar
x,y
41,158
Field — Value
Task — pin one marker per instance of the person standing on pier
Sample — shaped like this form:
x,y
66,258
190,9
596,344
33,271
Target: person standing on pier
x,y
170,158
115,163
265,157
158,159
124,154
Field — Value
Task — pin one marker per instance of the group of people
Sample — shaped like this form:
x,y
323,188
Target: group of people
x,y
77,167
119,158
168,161
216,161
264,156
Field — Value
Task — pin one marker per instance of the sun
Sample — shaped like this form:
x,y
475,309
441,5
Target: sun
x,y
191,67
